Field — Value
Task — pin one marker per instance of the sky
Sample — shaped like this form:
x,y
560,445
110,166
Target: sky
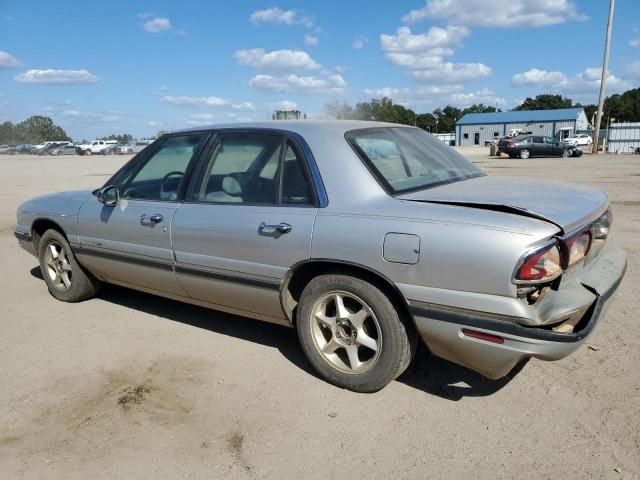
x,y
139,66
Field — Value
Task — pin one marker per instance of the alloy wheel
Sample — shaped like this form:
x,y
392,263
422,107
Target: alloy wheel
x,y
58,266
345,332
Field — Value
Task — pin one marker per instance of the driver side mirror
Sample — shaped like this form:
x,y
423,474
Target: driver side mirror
x,y
108,196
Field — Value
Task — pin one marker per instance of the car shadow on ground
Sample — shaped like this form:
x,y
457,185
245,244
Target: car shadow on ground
x,y
430,374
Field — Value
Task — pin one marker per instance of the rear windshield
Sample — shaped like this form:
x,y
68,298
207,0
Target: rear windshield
x,y
408,159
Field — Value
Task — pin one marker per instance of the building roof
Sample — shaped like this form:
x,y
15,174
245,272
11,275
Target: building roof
x,y
520,116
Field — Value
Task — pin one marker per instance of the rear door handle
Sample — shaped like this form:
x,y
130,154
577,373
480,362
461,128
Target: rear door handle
x,y
280,228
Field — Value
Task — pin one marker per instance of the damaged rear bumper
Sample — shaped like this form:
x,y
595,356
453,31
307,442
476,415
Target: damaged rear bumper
x,y
446,330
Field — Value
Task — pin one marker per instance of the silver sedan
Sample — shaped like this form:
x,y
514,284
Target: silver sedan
x,y
365,237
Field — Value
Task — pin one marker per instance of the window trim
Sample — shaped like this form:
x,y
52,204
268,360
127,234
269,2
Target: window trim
x,y
139,160
319,199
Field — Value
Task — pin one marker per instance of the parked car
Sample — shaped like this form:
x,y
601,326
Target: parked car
x,y
6,149
113,149
52,146
579,139
537,146
97,146
36,149
63,150
363,236
20,149
135,147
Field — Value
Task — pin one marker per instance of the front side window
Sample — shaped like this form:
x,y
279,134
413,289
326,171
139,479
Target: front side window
x,y
161,176
407,159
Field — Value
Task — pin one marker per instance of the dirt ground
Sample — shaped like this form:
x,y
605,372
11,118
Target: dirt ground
x,y
132,386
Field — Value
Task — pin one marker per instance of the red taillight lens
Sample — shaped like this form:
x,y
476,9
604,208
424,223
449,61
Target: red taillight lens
x,y
541,265
509,144
578,247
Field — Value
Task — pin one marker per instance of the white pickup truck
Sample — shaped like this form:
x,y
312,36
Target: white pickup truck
x,y
94,147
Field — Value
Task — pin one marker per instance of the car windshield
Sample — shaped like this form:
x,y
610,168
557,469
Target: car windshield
x,y
407,159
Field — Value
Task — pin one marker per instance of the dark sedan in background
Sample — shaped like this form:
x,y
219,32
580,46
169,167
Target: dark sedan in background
x,y
526,146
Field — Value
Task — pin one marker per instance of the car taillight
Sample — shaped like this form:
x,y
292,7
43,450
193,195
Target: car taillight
x,y
578,246
509,144
541,265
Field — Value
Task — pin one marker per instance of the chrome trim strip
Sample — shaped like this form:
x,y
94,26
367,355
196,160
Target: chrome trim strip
x,y
232,278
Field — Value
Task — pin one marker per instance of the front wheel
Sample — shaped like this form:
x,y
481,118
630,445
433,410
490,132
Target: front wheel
x,y
87,152
352,334
65,278
524,154
566,153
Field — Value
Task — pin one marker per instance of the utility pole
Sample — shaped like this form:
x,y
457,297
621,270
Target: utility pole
x,y
603,80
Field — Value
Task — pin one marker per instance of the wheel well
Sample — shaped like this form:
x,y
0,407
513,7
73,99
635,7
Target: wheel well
x,y
42,225
302,274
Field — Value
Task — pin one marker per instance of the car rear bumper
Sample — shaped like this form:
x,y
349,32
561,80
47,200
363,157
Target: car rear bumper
x,y
446,330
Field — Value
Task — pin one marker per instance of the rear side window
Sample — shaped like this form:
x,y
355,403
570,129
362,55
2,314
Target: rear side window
x,y
254,169
406,159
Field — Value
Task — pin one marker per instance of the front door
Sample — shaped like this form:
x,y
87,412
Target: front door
x,y
476,138
247,219
131,242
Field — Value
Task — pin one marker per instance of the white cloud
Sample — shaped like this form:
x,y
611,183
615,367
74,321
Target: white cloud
x,y
358,44
498,13
277,15
8,61
278,60
284,105
582,84
78,116
538,78
202,117
422,50
293,83
453,73
157,24
153,123
56,77
311,40
485,96
211,101
436,95
634,42
186,101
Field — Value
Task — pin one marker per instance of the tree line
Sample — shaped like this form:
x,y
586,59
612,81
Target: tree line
x,y
38,129
623,107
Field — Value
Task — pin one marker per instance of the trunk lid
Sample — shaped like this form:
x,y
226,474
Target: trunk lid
x,y
564,204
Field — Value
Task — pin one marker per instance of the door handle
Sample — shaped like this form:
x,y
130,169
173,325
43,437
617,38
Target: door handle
x,y
280,228
156,218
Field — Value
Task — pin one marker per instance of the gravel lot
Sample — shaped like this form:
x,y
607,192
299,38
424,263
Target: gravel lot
x,y
133,386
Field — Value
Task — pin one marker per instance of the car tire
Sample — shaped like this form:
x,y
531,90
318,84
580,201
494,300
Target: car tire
x,y
566,153
524,153
362,348
88,152
65,278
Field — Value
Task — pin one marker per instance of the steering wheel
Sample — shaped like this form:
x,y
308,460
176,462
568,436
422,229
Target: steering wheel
x,y
172,195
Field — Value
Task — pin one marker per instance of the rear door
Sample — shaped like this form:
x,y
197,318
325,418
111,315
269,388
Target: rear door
x,y
130,243
247,219
538,147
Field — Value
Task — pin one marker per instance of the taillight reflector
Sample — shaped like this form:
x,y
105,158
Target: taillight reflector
x,y
482,336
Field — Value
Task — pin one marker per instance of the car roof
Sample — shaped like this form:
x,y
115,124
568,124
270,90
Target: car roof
x,y
301,127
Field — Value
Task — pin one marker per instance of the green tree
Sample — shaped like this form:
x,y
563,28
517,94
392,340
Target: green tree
x,y
8,133
624,107
480,108
447,118
339,110
426,121
39,129
545,102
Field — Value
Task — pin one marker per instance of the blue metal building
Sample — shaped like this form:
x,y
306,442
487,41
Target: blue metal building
x,y
478,128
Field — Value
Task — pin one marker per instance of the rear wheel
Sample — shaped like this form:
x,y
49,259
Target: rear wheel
x,y
65,278
566,153
352,334
87,151
524,153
